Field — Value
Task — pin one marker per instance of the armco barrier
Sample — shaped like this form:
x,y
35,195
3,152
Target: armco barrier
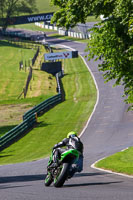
x,y
29,118
16,132
44,106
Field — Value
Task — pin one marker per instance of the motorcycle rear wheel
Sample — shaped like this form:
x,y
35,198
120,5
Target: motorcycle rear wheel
x,y
62,175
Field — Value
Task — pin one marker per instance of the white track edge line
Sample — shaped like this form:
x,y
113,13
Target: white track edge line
x,y
85,127
93,165
96,89
109,171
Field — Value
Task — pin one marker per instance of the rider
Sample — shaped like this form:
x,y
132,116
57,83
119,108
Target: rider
x,y
71,142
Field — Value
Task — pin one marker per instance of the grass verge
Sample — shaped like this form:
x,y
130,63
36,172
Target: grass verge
x,y
69,38
121,162
12,80
42,85
93,19
44,6
32,27
72,114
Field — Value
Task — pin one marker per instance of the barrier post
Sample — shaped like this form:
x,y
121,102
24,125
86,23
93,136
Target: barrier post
x,y
36,116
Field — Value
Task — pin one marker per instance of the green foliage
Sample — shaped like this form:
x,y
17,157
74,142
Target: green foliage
x,y
112,39
113,42
9,8
70,12
73,11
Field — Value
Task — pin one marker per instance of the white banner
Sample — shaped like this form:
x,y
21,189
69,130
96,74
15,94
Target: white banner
x,y
58,55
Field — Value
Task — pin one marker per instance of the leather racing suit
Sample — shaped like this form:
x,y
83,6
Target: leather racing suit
x,y
70,143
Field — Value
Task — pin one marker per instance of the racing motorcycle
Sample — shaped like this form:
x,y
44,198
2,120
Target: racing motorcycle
x,y
64,170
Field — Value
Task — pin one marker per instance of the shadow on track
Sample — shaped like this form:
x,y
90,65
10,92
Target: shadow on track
x,y
92,184
90,174
25,178
3,187
52,40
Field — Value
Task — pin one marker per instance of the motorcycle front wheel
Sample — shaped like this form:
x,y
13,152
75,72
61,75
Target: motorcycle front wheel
x,y
48,180
62,174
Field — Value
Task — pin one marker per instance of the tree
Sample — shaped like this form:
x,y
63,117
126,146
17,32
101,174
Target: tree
x,y
111,39
10,8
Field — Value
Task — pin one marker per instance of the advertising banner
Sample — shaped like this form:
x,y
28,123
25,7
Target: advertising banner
x,y
27,19
58,55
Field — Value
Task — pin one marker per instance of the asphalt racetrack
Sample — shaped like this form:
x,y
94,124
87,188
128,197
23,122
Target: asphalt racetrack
x,y
109,130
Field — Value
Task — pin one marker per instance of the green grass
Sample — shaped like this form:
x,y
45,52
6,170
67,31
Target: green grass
x,y
72,114
44,6
11,117
4,129
31,26
69,38
31,100
93,19
121,162
13,81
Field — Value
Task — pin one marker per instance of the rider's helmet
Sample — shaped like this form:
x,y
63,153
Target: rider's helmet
x,y
71,134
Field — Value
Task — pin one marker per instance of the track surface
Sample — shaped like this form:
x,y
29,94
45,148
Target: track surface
x,y
109,131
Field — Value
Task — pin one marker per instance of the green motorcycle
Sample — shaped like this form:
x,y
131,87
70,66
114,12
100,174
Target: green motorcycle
x,y
59,174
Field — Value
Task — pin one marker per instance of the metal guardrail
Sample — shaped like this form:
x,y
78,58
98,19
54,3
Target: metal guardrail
x,y
17,131
30,118
42,107
45,105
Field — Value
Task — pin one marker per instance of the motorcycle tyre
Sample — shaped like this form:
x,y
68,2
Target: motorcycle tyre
x,y
49,180
63,175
